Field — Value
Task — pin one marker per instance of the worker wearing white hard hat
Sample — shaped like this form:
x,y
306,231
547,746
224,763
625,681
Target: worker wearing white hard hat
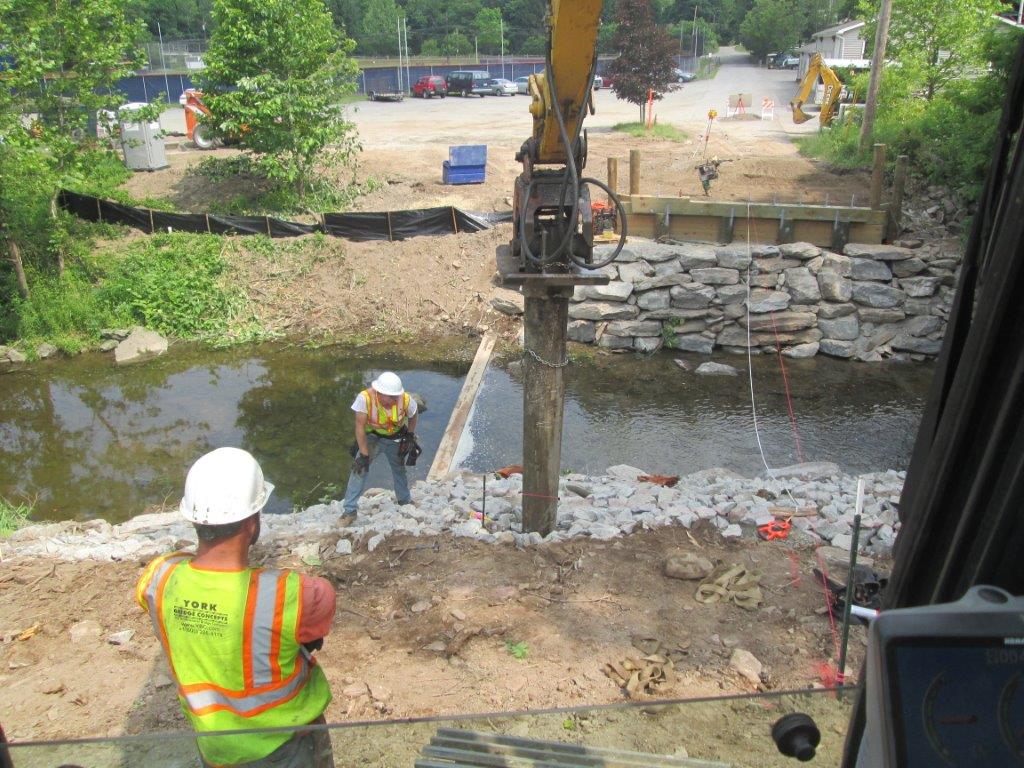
x,y
386,419
239,640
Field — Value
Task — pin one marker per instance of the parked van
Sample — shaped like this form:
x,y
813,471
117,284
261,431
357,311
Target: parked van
x,y
466,82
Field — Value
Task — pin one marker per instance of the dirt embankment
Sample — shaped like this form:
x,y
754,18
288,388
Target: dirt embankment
x,y
424,627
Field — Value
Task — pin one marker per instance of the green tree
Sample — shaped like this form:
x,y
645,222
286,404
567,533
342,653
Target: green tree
x,y
62,60
488,27
177,19
430,47
646,55
276,72
378,33
456,44
935,41
769,27
347,14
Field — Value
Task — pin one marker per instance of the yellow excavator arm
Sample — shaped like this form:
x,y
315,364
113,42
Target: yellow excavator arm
x,y
833,90
573,28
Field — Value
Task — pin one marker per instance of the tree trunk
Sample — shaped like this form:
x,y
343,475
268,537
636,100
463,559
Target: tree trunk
x,y
14,256
60,251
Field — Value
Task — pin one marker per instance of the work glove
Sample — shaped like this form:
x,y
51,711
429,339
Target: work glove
x,y
314,645
413,452
360,464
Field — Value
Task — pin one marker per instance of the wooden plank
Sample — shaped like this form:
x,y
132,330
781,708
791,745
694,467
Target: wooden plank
x,y
634,172
688,207
442,463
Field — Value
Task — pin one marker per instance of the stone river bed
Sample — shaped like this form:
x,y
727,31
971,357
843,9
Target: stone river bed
x,y
83,438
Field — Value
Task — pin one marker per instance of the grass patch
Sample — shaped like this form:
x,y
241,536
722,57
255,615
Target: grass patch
x,y
839,146
662,131
12,516
518,651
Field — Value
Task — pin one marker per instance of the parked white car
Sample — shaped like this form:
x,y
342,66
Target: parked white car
x,y
598,82
523,85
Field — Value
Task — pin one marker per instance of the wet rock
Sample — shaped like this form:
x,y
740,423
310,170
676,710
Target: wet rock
x,y
716,369
108,346
648,344
842,328
592,310
715,276
15,356
687,566
693,343
141,343
836,348
45,350
802,285
746,665
800,351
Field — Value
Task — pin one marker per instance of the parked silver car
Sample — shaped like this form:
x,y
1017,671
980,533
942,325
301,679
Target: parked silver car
x,y
523,85
502,87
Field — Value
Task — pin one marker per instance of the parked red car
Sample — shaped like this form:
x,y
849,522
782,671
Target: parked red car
x,y
430,85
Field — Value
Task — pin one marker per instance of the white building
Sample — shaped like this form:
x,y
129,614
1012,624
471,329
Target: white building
x,y
841,45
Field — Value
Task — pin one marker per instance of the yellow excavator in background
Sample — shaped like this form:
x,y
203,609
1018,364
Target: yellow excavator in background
x,y
818,69
551,213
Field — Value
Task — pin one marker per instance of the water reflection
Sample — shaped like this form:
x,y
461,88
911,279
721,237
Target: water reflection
x,y
650,413
85,439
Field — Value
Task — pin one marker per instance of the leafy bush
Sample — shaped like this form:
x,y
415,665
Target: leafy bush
x,y
12,516
173,284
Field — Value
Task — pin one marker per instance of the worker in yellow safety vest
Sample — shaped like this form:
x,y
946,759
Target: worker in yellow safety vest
x,y
386,419
239,640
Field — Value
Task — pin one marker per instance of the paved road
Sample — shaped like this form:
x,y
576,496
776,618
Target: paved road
x,y
492,119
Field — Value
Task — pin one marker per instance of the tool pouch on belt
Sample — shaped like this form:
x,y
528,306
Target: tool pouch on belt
x,y
353,449
409,449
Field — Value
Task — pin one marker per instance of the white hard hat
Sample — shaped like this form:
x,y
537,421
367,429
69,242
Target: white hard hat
x,y
388,383
224,486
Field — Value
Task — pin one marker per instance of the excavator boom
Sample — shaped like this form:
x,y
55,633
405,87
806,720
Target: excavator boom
x,y
833,90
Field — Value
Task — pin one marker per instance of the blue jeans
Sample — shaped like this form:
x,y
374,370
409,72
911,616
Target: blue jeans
x,y
357,483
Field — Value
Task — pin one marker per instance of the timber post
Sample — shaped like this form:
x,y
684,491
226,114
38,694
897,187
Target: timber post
x,y
899,185
613,177
877,176
545,322
634,172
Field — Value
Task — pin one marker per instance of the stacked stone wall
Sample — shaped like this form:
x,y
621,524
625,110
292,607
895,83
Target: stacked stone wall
x,y
869,303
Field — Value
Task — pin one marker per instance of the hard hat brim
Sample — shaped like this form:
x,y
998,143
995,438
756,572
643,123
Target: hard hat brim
x,y
219,517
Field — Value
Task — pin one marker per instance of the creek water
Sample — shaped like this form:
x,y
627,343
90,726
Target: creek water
x,y
83,438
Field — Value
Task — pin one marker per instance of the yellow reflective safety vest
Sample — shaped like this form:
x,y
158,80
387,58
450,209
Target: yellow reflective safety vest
x,y
385,421
230,640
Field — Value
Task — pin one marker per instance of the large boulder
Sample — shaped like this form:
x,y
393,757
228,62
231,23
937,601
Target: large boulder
x,y
614,291
716,369
692,343
653,300
762,300
842,328
634,328
594,310
867,269
802,251
582,331
692,296
733,257
920,287
841,265
877,295
833,286
908,267
715,276
879,252
802,286
782,321
836,348
141,343
635,271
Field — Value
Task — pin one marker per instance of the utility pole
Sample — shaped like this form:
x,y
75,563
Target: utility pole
x,y
399,25
501,26
695,37
408,66
877,63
